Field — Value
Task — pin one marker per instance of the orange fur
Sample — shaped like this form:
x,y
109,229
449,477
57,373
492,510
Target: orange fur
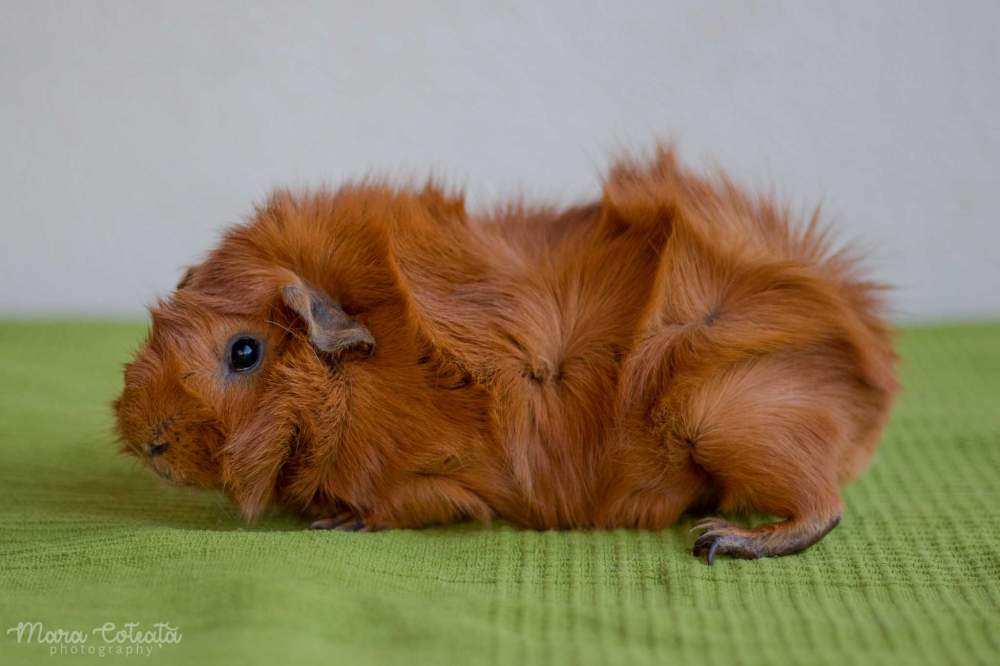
x,y
676,345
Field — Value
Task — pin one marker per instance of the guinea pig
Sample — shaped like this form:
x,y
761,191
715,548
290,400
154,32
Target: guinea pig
x,y
377,358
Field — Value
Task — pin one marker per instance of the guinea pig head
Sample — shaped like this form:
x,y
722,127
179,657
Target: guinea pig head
x,y
220,390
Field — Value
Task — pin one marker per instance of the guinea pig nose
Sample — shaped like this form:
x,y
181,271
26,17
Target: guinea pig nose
x,y
156,449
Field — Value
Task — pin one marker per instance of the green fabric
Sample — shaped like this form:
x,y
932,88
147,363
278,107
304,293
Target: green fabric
x,y
912,575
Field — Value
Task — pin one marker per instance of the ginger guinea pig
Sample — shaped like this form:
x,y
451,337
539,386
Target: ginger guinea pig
x,y
375,358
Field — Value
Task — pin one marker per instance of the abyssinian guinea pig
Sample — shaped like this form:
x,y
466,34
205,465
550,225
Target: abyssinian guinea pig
x,y
376,358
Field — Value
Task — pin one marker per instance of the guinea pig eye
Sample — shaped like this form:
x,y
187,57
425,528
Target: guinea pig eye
x,y
244,354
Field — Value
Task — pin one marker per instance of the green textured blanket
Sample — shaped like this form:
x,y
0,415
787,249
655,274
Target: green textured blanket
x,y
92,543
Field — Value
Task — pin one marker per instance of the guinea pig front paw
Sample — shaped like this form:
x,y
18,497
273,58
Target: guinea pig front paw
x,y
346,521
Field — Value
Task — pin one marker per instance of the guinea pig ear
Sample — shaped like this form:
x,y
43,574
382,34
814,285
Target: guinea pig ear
x,y
331,330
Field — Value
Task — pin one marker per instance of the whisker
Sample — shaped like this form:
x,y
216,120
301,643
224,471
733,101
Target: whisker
x,y
288,330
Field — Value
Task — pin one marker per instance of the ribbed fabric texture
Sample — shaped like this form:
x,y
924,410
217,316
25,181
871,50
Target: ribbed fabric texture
x,y
912,574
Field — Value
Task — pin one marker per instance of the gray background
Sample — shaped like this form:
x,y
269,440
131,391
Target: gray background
x,y
132,132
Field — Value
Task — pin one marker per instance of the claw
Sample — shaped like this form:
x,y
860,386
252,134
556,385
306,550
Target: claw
x,y
705,542
708,543
324,524
342,521
715,539
709,524
711,553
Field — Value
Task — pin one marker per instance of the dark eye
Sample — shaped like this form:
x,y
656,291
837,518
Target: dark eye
x,y
244,354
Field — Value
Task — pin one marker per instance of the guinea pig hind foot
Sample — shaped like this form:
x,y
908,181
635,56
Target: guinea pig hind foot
x,y
719,537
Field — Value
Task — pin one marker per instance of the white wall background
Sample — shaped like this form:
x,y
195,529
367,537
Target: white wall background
x,y
132,132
